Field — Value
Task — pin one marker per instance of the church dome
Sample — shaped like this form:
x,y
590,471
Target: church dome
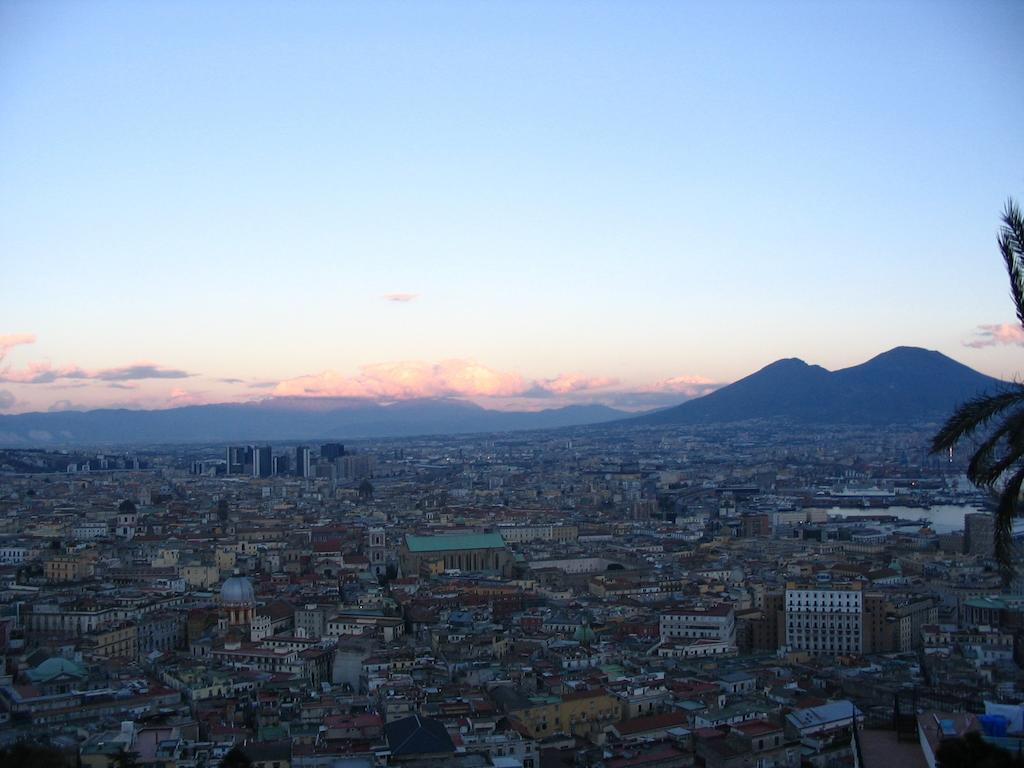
x,y
237,591
584,634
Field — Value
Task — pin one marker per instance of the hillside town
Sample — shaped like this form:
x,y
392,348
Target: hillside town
x,y
590,598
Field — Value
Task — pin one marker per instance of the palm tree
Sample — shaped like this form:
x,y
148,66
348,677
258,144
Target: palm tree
x,y
972,751
236,758
998,459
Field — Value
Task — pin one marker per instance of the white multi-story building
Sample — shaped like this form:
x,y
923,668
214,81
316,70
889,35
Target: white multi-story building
x,y
508,744
13,555
519,534
699,622
88,530
826,619
695,649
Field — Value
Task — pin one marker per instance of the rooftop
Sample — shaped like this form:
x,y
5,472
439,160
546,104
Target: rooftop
x,y
454,541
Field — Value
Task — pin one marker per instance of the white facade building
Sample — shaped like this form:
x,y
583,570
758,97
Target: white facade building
x,y
826,619
713,622
13,555
87,530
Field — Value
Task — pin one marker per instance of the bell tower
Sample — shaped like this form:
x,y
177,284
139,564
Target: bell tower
x,y
377,551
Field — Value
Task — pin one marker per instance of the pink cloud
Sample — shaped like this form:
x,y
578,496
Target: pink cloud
x,y
684,385
45,373
565,383
403,298
658,394
384,382
41,373
992,335
137,371
179,397
409,379
11,340
470,379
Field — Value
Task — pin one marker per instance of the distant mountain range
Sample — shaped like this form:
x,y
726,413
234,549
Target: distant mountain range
x,y
283,419
906,385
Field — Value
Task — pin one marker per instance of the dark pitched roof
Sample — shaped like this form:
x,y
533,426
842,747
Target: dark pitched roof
x,y
417,735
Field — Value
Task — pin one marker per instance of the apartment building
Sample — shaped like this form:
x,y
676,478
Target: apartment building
x,y
825,618
699,622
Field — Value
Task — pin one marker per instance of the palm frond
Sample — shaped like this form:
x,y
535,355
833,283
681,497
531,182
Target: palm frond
x,y
1005,513
975,414
1013,227
1011,246
1003,449
984,468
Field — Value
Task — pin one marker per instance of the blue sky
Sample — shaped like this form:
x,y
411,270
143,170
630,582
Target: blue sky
x,y
582,200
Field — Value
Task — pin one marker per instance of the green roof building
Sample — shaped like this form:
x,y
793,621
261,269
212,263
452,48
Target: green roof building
x,y
453,542
456,551
57,675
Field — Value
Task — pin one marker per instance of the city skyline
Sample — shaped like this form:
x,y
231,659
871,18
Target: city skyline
x,y
523,384
524,205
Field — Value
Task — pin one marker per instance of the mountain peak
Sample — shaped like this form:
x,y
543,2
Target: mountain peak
x,y
904,349
910,360
792,363
902,385
789,368
910,354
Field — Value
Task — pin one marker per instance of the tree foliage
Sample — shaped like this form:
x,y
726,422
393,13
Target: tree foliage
x,y
972,751
995,422
236,758
25,755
